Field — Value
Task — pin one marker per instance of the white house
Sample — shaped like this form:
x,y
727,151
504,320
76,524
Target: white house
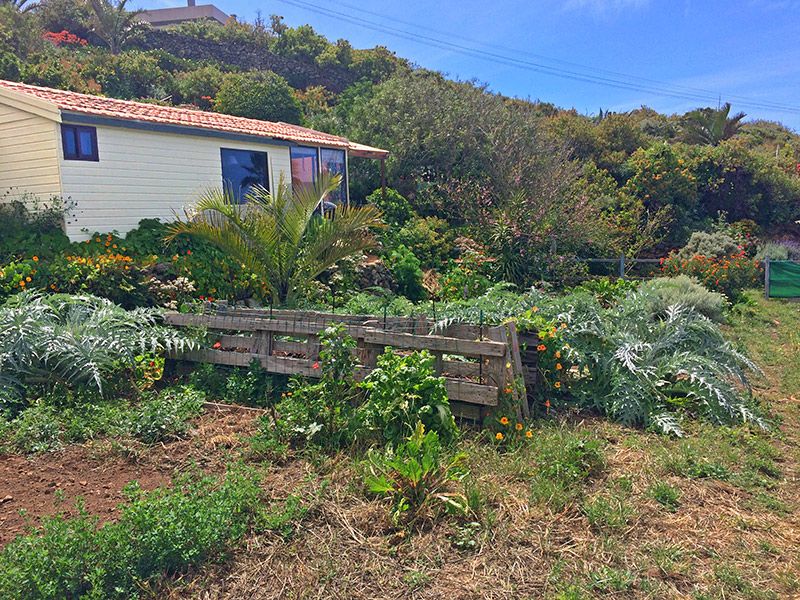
x,y
120,162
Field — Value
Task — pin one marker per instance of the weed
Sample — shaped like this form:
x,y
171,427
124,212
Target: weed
x,y
666,495
608,512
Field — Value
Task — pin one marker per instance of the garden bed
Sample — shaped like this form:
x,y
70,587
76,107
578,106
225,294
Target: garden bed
x,y
45,484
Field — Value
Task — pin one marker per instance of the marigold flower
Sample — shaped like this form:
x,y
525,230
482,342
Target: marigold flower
x,y
508,390
558,367
498,436
22,283
541,347
529,434
28,279
558,385
35,259
504,420
558,353
518,426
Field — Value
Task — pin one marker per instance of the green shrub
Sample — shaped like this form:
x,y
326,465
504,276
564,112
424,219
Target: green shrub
x,y
664,292
417,477
32,227
402,391
396,209
405,268
430,239
159,534
258,95
468,277
711,245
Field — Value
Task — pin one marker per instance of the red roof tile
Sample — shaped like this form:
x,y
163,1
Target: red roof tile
x,y
153,113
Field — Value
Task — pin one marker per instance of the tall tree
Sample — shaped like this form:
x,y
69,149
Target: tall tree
x,y
711,126
21,5
281,236
114,24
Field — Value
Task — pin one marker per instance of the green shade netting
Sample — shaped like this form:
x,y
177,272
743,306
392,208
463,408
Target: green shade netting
x,y
784,279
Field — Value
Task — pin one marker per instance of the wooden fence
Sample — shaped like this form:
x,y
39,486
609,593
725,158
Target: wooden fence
x,y
477,362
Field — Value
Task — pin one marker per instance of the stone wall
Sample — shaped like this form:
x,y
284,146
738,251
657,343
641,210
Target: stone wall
x,y
299,73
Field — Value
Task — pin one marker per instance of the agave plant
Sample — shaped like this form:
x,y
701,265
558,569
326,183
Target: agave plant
x,y
711,126
75,340
282,237
645,369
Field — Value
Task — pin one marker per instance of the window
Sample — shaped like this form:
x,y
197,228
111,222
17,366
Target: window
x,y
80,143
305,165
333,162
243,169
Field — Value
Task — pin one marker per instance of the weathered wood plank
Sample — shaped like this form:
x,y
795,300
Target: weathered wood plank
x,y
456,368
434,343
290,347
237,341
521,396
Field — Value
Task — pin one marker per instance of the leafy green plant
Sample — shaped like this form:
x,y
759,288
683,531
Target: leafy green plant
x,y
164,416
402,391
405,268
257,95
417,477
646,369
322,413
76,341
280,236
158,534
396,208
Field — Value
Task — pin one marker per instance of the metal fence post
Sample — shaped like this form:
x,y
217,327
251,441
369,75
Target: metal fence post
x,y
766,278
622,266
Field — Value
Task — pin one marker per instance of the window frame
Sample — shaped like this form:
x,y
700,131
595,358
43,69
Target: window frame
x,y
318,172
75,131
266,184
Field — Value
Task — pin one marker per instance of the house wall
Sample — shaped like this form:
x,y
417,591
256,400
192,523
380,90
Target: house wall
x,y
29,154
149,175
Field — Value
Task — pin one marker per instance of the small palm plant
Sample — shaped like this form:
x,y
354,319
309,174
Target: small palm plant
x,y
282,236
115,24
77,341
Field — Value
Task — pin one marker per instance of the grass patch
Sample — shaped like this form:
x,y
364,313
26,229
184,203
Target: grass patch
x,y
160,533
666,495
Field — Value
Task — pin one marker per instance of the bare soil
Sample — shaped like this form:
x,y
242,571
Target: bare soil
x,y
40,485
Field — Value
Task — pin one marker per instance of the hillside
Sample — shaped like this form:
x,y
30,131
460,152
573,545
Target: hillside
x,y
522,181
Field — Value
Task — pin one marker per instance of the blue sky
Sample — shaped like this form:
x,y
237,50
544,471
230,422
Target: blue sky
x,y
744,51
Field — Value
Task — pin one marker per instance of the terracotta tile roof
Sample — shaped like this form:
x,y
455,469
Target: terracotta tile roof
x,y
170,115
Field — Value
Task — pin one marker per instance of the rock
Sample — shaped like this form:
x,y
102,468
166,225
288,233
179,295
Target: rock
x,y
6,499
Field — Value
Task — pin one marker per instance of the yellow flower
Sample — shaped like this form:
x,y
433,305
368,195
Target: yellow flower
x,y
28,279
498,436
504,421
518,426
535,309
529,434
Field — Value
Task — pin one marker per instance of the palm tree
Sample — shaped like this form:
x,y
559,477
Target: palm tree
x,y
709,126
115,25
20,5
282,237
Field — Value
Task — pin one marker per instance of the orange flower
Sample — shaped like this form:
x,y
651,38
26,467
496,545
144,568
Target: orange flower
x,y
558,353
22,283
535,309
498,436
35,259
28,279
529,434
558,367
217,346
508,390
541,347
315,365
518,426
504,420
558,385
